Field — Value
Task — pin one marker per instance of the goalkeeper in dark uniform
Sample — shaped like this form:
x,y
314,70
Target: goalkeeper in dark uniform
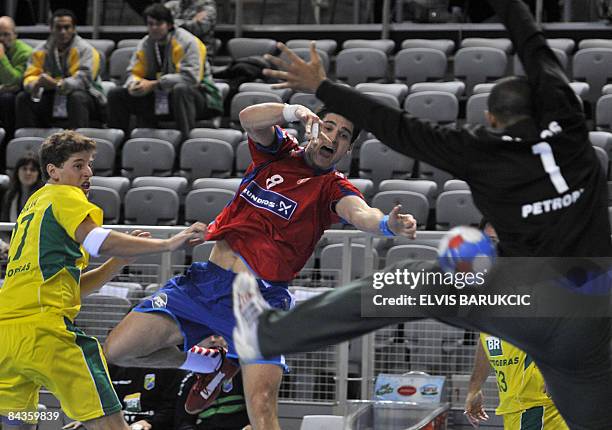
x,y
534,175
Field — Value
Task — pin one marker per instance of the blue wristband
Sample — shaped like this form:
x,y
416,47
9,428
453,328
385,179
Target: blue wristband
x,y
383,226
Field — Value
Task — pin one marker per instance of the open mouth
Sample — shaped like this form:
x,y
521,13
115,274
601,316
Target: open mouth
x,y
327,151
85,185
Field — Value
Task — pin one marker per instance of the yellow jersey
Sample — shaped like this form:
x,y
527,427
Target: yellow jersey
x,y
45,260
519,381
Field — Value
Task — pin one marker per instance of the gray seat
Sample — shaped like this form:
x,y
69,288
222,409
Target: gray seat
x,y
385,45
560,54
483,88
431,173
399,253
378,162
436,106
241,47
414,65
304,54
147,157
306,99
246,99
169,135
32,42
580,88
19,147
128,43
243,158
100,313
119,62
503,44
36,132
230,184
206,157
327,45
455,208
594,66
113,135
103,46
223,88
151,206
104,161
178,184
357,65
4,182
447,46
427,188
566,45
456,88
365,187
387,99
117,183
205,204
604,161
233,137
478,65
202,251
476,106
594,43
412,203
399,91
283,93
107,199
603,111
331,260
132,291
455,185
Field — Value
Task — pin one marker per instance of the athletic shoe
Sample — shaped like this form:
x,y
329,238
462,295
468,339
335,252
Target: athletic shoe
x,y
249,304
207,387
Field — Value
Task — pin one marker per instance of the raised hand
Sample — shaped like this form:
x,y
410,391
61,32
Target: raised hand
x,y
402,224
297,74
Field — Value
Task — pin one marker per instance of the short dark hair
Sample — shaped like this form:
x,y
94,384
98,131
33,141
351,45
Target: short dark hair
x,y
59,147
510,99
159,12
324,110
64,12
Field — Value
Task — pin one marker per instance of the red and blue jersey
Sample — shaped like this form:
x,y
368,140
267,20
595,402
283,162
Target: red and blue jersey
x,y
281,209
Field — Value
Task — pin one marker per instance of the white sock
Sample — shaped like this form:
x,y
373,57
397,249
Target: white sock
x,y
202,360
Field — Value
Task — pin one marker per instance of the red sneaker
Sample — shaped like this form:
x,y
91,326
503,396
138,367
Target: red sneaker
x,y
208,385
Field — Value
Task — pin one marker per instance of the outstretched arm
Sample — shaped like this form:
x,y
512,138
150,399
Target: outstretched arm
x,y
474,408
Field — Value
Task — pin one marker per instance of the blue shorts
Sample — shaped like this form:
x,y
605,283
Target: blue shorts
x,y
201,304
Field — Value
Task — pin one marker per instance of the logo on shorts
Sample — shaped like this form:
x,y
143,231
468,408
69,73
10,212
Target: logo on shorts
x,y
160,300
149,381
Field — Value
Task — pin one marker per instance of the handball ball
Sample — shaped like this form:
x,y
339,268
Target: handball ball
x,y
466,249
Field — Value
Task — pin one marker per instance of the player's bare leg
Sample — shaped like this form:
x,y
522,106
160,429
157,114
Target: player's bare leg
x,y
110,422
261,385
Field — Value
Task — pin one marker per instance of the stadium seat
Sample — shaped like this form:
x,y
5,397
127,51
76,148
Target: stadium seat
x,y
357,65
151,206
230,184
4,182
580,88
594,66
412,203
436,106
456,88
229,135
399,91
455,208
479,64
178,184
104,160
205,204
36,132
118,63
387,99
455,185
561,56
306,99
327,45
128,43
169,135
331,260
603,111
447,46
100,313
246,99
414,65
399,253
427,188
107,199
483,88
565,45
103,46
603,158
480,42
241,47
476,106
385,45
117,183
202,251
147,157
243,158
378,162
365,187
32,42
318,422
19,147
603,140
304,54
431,173
594,43
206,157
283,93
113,135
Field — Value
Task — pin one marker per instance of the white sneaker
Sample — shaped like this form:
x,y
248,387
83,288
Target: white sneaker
x,y
249,304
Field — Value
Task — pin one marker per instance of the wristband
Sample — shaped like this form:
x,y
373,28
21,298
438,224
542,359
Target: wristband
x,y
93,241
383,226
289,112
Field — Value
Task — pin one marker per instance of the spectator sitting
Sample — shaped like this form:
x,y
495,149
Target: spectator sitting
x,y
198,17
166,76
14,56
26,180
62,79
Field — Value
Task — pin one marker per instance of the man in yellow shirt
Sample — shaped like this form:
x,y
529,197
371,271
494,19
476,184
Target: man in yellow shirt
x,y
53,237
